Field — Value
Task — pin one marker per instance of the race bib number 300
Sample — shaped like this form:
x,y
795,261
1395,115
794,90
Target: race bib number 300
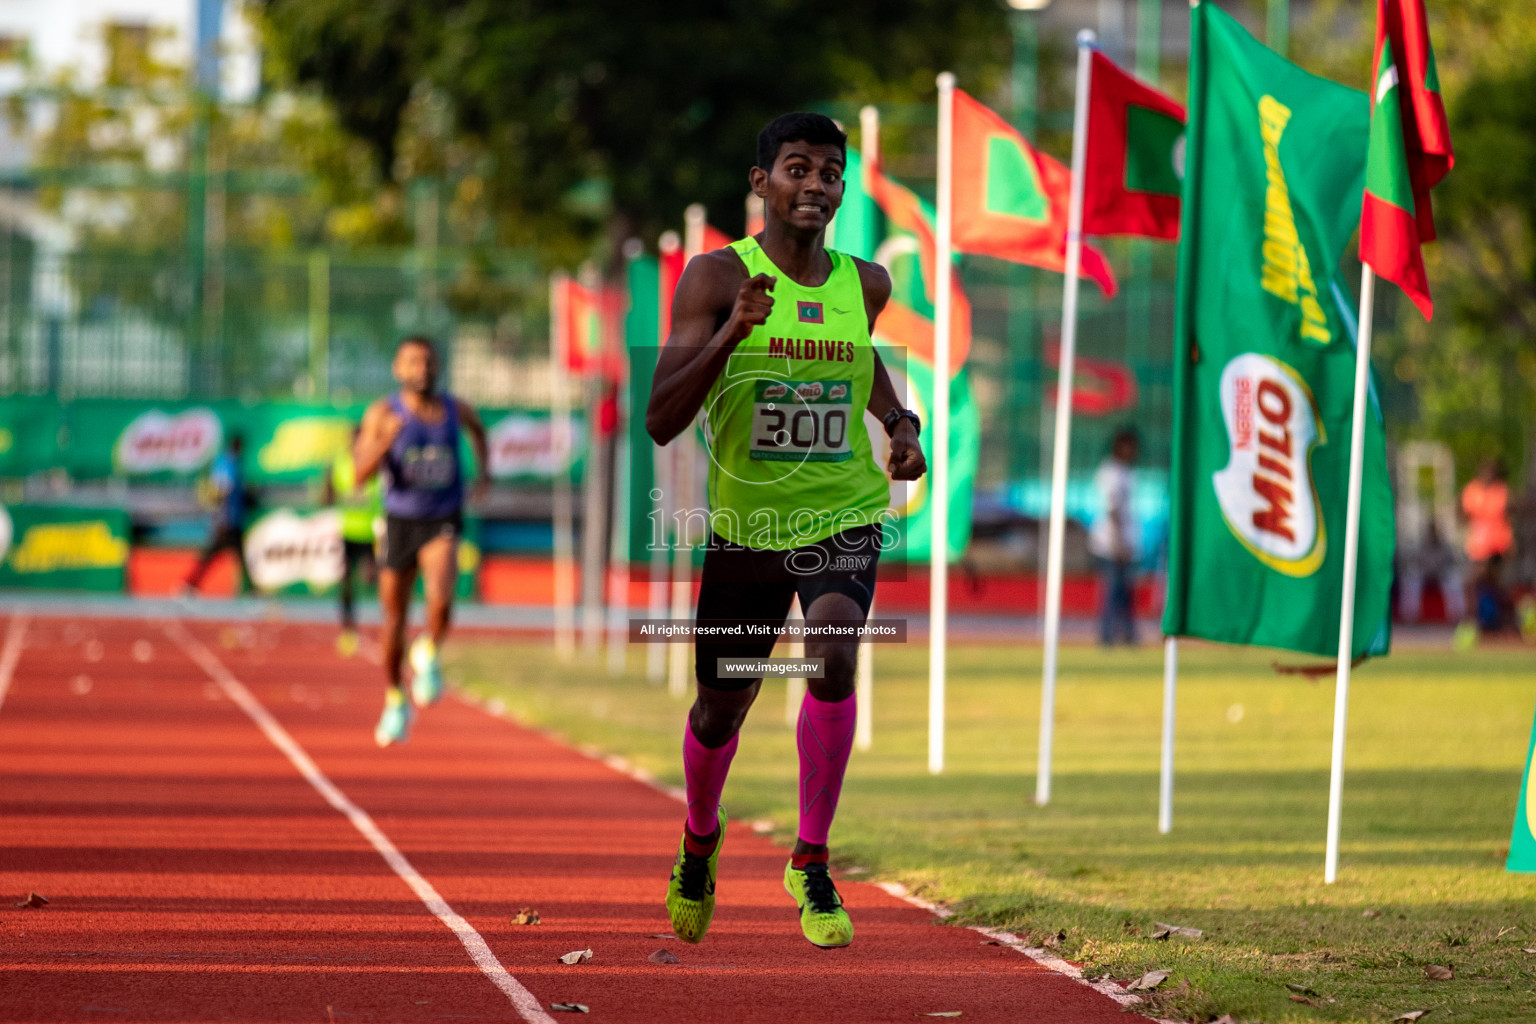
x,y
802,420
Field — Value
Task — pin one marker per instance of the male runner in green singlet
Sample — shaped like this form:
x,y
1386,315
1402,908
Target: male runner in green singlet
x,y
771,343
361,504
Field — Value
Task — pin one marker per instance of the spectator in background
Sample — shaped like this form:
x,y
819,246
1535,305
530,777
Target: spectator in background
x,y
1485,503
362,510
224,491
1114,538
1433,558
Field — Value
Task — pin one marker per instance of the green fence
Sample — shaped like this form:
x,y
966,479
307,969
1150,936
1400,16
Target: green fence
x,y
264,324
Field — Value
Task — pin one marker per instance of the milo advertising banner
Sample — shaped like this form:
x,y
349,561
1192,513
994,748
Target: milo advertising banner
x,y
1265,358
522,446
29,433
297,551
292,442
63,548
285,442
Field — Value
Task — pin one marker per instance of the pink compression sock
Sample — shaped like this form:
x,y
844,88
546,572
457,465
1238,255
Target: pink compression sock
x,y
705,770
825,739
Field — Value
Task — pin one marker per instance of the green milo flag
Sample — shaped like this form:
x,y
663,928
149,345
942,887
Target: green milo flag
x,y
1264,371
1522,843
861,230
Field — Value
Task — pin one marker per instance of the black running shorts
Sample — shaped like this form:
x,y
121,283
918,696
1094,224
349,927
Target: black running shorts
x,y
404,538
752,585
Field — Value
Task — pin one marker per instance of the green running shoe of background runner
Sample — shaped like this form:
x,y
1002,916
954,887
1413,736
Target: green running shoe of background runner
x,y
395,723
822,917
426,674
691,890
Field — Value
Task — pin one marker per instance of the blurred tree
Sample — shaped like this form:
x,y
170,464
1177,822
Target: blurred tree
x,y
608,118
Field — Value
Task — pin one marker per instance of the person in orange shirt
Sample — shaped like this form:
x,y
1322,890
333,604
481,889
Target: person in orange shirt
x,y
1485,503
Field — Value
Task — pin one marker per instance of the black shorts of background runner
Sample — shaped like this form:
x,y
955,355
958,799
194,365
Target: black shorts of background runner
x,y
742,585
404,538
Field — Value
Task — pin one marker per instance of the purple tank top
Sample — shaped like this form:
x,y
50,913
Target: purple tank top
x,y
425,480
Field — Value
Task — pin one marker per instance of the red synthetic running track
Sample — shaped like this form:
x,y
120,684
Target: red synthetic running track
x,y
196,875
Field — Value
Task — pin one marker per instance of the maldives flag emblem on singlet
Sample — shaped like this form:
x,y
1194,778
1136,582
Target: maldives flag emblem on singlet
x,y
810,313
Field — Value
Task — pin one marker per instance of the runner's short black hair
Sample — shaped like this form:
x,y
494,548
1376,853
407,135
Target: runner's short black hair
x,y
417,339
816,129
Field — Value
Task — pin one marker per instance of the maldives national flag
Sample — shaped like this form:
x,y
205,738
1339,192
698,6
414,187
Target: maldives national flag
x,y
1410,150
1135,158
587,330
902,324
1011,201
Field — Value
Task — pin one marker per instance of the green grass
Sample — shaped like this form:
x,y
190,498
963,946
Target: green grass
x,y
1437,743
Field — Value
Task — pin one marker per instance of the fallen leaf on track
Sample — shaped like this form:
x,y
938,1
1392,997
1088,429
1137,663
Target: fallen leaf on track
x,y
1528,949
34,900
1438,973
1149,981
527,915
662,935
941,1013
663,956
1300,988
1225,1018
1370,913
1409,1017
1052,941
570,1007
1161,930
1293,997
577,956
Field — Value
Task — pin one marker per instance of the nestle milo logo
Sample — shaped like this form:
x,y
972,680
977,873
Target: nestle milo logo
x,y
1266,491
159,442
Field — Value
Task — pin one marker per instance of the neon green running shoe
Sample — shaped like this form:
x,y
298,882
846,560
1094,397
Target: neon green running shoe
x,y
691,889
395,723
1465,637
426,676
822,917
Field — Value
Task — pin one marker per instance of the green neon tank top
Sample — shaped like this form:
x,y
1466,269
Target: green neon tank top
x,y
359,506
790,457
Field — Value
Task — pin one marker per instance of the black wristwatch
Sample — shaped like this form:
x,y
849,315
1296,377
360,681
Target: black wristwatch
x,y
898,414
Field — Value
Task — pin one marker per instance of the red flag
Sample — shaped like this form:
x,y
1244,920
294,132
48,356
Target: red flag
x,y
1135,157
1410,150
899,324
714,238
587,336
1010,201
672,263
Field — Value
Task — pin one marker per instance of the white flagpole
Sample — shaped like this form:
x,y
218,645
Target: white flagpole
x,y
618,539
594,487
664,500
864,725
1351,564
618,535
1064,386
938,474
1170,704
685,486
560,422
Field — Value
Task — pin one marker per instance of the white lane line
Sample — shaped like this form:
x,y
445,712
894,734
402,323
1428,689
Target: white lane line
x,y
523,1001
10,654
